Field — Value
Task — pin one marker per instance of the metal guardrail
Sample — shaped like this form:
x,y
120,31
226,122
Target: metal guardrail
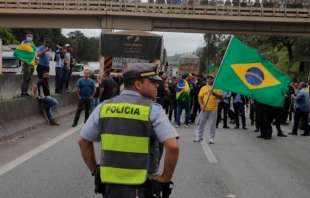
x,y
123,7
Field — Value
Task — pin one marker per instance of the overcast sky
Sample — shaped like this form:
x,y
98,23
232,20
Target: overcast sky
x,y
174,42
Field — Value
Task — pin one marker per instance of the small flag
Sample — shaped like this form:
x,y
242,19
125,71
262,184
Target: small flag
x,y
245,71
182,90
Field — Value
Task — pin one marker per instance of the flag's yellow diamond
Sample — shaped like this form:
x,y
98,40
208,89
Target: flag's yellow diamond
x,y
254,75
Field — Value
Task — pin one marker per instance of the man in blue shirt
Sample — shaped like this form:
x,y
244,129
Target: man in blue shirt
x,y
85,91
44,59
43,65
239,102
301,109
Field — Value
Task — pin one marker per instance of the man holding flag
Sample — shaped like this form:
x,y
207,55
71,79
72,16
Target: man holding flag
x,y
244,71
208,100
25,52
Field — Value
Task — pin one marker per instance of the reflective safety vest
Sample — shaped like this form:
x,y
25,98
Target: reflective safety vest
x,y
125,139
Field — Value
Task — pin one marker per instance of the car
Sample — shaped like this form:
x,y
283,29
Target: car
x,y
10,64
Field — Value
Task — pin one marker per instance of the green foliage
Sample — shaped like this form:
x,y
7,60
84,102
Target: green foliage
x,y
213,51
7,36
84,49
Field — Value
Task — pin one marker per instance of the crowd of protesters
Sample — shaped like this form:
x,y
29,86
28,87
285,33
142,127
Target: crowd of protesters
x,y
202,105
194,95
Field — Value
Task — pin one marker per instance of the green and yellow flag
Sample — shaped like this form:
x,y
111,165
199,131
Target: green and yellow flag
x,y
25,52
245,71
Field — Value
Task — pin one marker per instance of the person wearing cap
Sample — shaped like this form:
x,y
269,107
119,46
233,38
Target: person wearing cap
x,y
130,127
208,100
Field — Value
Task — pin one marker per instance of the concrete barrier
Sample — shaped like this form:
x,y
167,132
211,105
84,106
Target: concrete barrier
x,y
10,85
21,114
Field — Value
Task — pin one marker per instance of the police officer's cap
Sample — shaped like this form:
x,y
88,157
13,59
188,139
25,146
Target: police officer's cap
x,y
141,70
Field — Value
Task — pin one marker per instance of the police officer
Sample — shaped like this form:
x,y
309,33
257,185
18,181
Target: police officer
x,y
130,128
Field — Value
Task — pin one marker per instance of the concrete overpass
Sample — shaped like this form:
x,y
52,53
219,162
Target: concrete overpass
x,y
152,17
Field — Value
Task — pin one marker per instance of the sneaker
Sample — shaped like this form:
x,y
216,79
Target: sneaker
x,y
244,128
177,126
197,140
292,133
53,123
282,135
185,125
225,127
211,141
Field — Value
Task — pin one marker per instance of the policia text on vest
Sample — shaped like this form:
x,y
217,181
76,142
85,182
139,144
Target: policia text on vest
x,y
130,128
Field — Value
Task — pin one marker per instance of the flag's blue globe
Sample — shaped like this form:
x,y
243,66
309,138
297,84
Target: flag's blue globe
x,y
254,76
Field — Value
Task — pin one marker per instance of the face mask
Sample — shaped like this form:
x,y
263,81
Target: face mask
x,y
29,39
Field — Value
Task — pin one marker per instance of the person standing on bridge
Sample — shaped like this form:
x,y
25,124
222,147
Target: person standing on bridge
x,y
208,100
85,91
130,127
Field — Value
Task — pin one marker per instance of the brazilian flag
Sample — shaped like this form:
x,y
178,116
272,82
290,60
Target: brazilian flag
x,y
245,71
25,52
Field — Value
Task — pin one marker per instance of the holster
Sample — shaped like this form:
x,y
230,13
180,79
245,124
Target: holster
x,y
161,190
99,186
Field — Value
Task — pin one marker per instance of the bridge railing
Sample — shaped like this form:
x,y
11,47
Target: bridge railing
x,y
123,7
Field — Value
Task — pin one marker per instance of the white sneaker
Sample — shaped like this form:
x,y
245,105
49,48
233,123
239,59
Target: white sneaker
x,y
197,140
211,141
177,126
185,125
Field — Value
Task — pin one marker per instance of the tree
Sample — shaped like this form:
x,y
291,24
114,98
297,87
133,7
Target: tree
x,y
84,49
7,36
213,51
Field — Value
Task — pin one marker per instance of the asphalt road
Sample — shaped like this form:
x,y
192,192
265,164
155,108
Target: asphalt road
x,y
37,165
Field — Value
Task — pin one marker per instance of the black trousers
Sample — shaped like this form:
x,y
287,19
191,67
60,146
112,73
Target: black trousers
x,y
173,109
266,124
196,109
258,115
83,104
123,191
239,111
27,74
222,107
252,113
41,70
299,115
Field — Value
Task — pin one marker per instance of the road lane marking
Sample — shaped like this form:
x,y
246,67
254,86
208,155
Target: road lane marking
x,y
18,161
208,152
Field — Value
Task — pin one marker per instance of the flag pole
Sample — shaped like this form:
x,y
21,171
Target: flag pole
x,y
218,71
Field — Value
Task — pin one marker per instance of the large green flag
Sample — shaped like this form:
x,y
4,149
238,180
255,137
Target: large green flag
x,y
245,71
26,52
